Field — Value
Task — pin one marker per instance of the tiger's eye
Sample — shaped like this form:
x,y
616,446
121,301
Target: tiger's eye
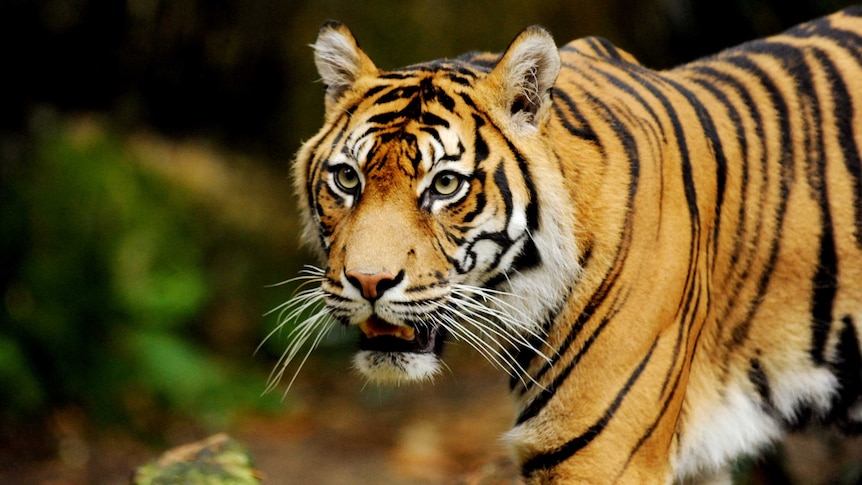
x,y
347,178
446,184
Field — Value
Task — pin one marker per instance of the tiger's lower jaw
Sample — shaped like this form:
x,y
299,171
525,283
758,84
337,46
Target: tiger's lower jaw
x,y
389,359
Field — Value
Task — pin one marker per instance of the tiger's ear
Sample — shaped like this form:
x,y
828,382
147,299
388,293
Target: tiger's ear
x,y
525,75
340,62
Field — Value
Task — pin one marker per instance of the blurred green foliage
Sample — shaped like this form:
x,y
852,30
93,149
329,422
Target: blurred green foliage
x,y
218,460
106,282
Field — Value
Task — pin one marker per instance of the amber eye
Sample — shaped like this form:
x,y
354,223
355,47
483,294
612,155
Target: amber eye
x,y
346,178
446,183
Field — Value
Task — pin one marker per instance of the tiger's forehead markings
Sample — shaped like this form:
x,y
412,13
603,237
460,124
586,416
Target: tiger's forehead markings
x,y
416,97
410,129
413,153
394,149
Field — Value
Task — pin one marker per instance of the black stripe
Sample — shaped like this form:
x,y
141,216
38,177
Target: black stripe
x,y
825,283
481,201
388,117
823,28
599,47
533,204
372,91
468,101
742,139
584,131
479,145
603,48
566,451
846,129
711,133
541,400
669,398
430,119
501,182
853,11
544,397
744,62
397,93
528,258
431,92
460,80
404,74
315,163
758,378
627,88
681,145
847,367
825,280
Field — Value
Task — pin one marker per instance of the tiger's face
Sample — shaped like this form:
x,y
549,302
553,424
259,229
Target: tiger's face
x,y
425,212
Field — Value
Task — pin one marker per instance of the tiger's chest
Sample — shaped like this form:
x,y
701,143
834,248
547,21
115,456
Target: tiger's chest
x,y
744,417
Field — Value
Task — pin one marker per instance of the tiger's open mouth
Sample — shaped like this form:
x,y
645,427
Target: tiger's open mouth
x,y
381,336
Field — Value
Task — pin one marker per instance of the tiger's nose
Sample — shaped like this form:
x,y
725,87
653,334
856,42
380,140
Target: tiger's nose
x,y
373,285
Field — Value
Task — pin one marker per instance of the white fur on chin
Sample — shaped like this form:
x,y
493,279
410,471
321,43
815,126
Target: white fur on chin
x,y
396,367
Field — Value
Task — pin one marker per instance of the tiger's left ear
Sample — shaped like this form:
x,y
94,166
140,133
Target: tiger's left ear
x,y
339,60
525,75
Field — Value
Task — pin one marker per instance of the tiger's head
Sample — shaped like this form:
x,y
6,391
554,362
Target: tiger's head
x,y
426,196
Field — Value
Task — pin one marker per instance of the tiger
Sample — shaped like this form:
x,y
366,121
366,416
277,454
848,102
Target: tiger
x,y
667,264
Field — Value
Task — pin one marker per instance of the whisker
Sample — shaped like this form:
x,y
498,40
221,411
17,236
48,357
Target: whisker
x,y
296,306
322,332
313,293
499,357
497,328
484,324
311,320
491,295
497,324
308,272
512,328
318,326
463,334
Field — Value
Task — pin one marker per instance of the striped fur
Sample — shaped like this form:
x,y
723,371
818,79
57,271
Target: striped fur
x,y
666,263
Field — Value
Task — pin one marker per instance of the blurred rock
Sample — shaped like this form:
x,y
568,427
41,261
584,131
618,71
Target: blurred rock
x,y
217,460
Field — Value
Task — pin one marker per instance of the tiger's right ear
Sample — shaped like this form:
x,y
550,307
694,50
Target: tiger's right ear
x,y
340,62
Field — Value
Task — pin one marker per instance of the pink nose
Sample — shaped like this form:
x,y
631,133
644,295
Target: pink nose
x,y
372,285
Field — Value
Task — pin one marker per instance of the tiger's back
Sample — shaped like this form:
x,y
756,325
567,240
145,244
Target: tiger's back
x,y
667,262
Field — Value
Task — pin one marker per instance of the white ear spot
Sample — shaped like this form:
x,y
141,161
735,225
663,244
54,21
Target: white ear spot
x,y
339,60
526,74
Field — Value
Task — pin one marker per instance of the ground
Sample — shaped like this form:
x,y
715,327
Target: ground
x,y
334,429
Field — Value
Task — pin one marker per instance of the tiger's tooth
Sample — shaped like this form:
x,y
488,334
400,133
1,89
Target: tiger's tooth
x,y
376,328
368,329
406,333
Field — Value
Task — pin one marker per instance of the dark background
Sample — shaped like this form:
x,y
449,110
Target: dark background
x,y
240,71
146,207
